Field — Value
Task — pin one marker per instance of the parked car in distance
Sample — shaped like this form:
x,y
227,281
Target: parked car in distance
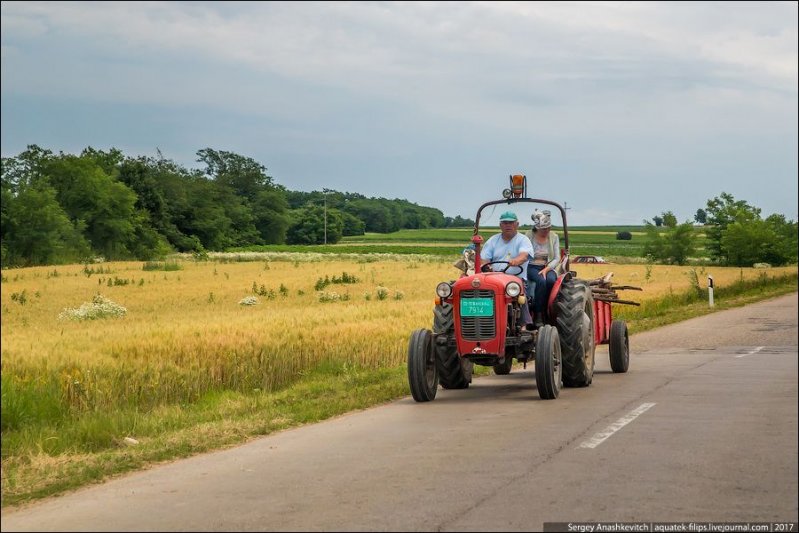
x,y
595,259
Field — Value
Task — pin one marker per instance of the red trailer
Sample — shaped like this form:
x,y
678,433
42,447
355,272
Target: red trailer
x,y
607,330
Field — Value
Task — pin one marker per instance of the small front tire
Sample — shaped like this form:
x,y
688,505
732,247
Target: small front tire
x,y
548,376
422,372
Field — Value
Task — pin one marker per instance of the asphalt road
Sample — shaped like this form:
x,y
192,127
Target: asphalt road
x,y
702,428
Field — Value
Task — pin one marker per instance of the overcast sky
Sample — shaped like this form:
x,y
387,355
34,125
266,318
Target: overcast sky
x,y
622,110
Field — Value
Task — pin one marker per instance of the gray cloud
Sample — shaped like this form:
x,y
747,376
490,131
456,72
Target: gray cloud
x,y
664,105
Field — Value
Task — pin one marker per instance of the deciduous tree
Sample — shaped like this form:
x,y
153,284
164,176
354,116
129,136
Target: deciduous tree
x,y
308,226
37,231
674,246
721,212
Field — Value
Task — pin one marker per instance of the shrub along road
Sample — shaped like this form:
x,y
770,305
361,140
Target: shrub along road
x,y
702,428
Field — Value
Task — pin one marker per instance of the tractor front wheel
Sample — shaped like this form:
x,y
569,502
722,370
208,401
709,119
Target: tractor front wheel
x,y
619,346
548,363
422,373
454,371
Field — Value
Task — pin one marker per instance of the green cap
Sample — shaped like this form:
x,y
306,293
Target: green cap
x,y
508,216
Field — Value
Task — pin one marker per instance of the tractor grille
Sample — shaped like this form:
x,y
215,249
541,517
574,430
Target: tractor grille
x,y
478,328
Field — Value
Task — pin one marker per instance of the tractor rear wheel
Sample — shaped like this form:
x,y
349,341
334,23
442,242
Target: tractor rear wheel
x,y
548,363
574,308
619,346
454,371
422,373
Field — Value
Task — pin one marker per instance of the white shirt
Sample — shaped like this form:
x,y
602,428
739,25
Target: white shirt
x,y
496,249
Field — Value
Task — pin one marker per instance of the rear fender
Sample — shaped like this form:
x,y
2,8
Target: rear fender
x,y
553,296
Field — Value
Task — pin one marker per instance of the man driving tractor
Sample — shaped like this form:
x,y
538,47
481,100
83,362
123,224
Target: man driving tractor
x,y
512,247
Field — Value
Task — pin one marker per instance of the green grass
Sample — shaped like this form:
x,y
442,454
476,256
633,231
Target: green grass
x,y
681,306
162,265
92,448
48,451
459,235
24,404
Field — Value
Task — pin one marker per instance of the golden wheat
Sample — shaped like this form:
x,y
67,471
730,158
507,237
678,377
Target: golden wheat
x,y
185,332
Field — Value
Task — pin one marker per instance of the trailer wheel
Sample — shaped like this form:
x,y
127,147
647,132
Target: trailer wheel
x,y
505,368
422,373
619,346
574,309
548,366
454,371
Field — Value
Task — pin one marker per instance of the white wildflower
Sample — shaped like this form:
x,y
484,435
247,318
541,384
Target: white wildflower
x,y
99,307
329,297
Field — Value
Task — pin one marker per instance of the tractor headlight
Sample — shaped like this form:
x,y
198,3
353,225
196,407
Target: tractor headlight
x,y
444,289
513,289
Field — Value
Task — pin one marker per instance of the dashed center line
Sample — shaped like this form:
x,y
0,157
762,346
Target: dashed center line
x,y
603,435
750,352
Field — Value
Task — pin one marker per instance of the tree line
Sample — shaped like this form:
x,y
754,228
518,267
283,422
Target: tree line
x,y
62,208
735,233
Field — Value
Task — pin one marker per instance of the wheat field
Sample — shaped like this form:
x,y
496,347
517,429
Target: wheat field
x,y
185,331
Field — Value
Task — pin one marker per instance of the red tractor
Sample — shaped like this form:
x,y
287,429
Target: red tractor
x,y
478,320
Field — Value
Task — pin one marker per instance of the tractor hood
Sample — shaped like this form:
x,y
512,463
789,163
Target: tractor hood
x,y
493,281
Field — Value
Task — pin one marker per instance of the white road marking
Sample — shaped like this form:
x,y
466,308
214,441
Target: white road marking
x,y
750,352
603,435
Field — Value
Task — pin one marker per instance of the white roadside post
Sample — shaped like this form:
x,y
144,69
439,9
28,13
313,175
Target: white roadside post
x,y
710,290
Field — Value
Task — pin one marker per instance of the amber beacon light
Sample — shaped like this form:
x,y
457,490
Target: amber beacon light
x,y
518,185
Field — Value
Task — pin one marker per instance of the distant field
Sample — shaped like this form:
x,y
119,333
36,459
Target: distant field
x,y
427,248
465,234
600,240
612,229
583,240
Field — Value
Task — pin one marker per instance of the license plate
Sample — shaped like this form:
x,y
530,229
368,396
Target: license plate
x,y
477,307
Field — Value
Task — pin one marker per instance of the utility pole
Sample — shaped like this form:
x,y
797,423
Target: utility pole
x,y
325,190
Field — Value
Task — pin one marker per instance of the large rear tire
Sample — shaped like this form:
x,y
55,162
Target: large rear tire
x,y
574,308
422,373
548,366
619,347
454,371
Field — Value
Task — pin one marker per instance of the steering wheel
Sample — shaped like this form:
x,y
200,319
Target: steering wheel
x,y
485,267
